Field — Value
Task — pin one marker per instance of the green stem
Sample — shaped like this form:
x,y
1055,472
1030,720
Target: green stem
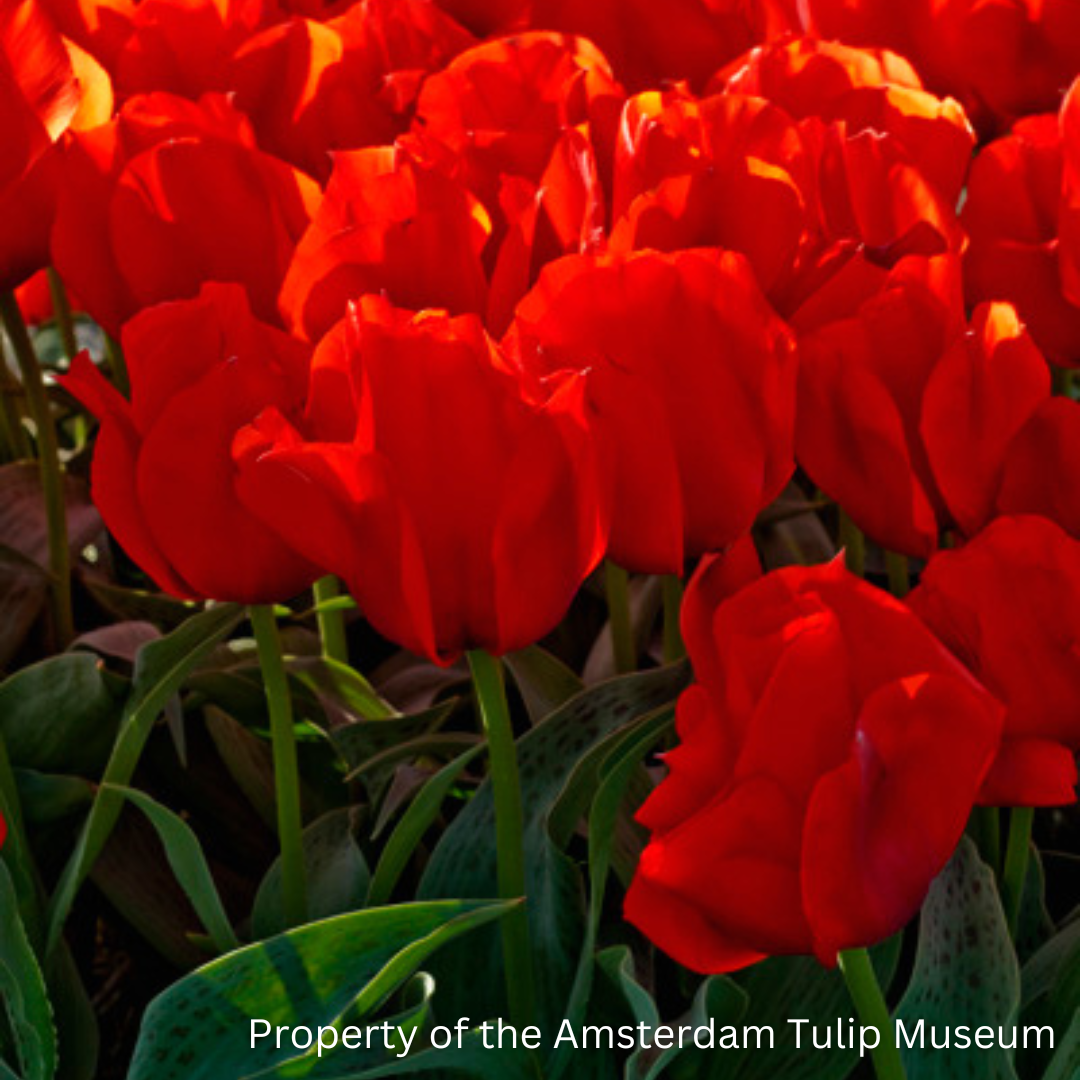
x,y
986,831
896,566
1017,855
286,770
13,438
854,544
117,366
1061,381
674,649
335,645
509,831
865,991
62,313
617,587
52,477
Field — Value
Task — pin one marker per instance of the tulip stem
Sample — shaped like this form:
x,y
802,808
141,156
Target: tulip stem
x,y
617,587
16,445
62,314
865,991
1017,856
490,690
986,831
335,645
117,366
674,649
52,475
896,567
853,543
286,769
1062,381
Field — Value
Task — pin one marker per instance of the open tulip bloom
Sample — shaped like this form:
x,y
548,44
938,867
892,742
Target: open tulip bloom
x,y
591,489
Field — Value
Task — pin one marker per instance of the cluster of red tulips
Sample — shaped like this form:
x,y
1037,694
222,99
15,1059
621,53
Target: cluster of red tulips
x,y
457,299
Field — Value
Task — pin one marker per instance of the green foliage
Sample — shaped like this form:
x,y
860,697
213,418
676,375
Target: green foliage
x,y
23,994
966,972
160,670
464,861
337,875
326,973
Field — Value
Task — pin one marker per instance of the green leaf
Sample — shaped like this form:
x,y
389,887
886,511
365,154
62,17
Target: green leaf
x,y
337,875
414,823
200,1028
720,999
248,759
463,863
624,753
345,685
46,797
160,670
59,715
338,1062
544,681
1035,927
785,988
966,972
1065,1064
185,855
372,749
1042,970
717,998
22,991
76,1021
472,1061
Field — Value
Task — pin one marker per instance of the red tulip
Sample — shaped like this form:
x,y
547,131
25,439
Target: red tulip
x,y
500,109
737,171
463,510
162,473
867,90
313,87
1008,605
39,99
184,46
1002,59
650,44
728,171
979,396
869,342
823,714
691,379
1038,475
1013,215
171,194
387,223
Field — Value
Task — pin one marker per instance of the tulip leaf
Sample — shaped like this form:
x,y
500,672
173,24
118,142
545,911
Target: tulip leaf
x,y
188,863
615,773
200,1027
336,1064
543,680
463,863
1065,1064
48,797
327,678
413,824
785,988
471,1061
160,671
337,875
966,973
59,715
22,992
248,759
